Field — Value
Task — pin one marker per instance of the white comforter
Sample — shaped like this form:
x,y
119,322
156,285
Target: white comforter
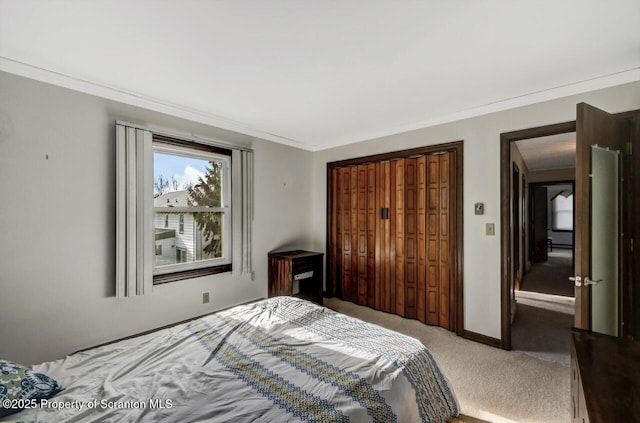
x,y
281,359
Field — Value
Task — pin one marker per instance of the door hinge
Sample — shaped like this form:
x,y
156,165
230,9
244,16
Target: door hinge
x,y
629,148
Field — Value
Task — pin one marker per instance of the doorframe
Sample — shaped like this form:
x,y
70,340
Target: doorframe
x,y
458,148
515,215
571,182
506,139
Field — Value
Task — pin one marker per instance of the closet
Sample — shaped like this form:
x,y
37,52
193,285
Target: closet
x,y
394,233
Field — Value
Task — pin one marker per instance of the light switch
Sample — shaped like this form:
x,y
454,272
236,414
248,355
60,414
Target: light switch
x,y
491,229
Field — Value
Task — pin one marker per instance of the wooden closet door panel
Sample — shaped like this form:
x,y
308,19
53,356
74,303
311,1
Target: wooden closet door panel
x,y
354,234
392,234
383,289
453,246
334,250
411,235
339,232
345,203
433,233
445,213
362,234
380,240
371,233
390,283
400,236
421,207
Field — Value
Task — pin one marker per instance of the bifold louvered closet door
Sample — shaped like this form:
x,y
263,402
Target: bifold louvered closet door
x,y
391,236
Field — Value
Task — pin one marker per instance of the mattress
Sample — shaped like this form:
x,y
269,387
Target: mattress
x,y
278,360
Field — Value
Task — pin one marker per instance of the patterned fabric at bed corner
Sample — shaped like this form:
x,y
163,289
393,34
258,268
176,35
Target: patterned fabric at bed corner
x,y
277,360
19,383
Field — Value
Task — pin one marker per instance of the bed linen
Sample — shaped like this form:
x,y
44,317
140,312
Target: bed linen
x,y
277,360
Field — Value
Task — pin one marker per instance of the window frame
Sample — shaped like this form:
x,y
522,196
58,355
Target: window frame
x,y
555,213
191,149
181,223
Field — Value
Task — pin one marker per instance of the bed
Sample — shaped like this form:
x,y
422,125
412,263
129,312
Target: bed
x,y
276,360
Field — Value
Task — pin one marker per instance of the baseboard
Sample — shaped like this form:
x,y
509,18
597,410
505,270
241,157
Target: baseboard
x,y
483,339
170,325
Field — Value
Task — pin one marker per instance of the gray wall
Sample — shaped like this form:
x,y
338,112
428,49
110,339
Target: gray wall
x,y
57,223
57,220
481,181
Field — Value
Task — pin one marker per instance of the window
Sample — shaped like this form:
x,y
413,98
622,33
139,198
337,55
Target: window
x,y
193,184
181,255
181,224
177,193
562,211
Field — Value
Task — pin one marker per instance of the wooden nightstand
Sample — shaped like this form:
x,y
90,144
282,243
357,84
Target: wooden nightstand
x,y
297,273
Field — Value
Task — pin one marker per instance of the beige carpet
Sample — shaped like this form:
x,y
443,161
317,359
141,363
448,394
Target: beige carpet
x,y
491,384
542,326
551,276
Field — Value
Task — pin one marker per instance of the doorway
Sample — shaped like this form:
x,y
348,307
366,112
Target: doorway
x,y
541,232
603,138
551,236
548,138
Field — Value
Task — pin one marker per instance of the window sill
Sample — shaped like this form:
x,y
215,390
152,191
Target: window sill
x,y
189,274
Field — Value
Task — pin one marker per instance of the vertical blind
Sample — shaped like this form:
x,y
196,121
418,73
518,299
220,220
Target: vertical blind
x,y
134,211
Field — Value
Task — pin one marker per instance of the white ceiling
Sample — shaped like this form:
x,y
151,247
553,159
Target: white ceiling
x,y
318,74
550,152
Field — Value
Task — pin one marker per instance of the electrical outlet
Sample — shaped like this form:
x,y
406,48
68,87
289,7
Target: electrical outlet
x,y
491,229
205,297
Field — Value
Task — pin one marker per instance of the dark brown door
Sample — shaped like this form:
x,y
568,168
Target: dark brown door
x,y
515,206
540,224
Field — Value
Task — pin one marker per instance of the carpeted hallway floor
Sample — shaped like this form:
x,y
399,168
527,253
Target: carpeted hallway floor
x,y
545,308
491,384
551,276
542,326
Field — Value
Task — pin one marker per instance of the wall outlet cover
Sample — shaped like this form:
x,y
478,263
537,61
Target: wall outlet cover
x,y
491,229
205,298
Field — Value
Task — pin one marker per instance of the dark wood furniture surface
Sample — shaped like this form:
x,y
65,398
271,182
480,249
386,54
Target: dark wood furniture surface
x,y
296,273
605,378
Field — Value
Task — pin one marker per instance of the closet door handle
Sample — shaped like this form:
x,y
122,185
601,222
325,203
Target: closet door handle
x,y
384,213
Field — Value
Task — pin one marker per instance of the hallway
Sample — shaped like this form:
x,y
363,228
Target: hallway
x,y
551,276
545,308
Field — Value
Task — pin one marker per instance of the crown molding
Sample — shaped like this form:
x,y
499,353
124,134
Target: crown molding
x,y
136,99
601,82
